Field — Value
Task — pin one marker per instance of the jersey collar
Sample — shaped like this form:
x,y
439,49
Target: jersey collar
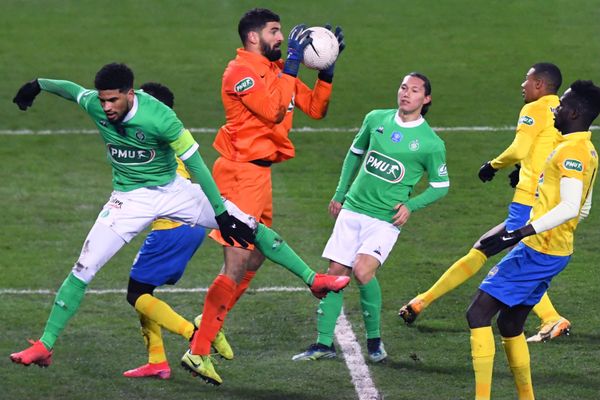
x,y
133,110
584,135
258,60
411,124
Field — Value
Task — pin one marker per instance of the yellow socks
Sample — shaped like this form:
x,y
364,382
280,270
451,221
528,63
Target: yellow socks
x,y
517,354
163,314
454,276
545,310
153,339
482,352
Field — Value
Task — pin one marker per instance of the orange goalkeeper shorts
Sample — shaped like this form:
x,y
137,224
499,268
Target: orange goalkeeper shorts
x,y
248,186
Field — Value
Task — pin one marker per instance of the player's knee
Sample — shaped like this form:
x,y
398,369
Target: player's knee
x,y
83,273
476,317
363,276
508,327
136,289
132,297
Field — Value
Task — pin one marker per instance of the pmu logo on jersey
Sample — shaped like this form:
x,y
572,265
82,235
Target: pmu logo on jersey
x,y
244,84
384,167
573,165
526,120
129,155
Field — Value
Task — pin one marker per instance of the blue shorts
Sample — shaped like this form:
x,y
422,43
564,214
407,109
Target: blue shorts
x,y
165,254
523,276
518,215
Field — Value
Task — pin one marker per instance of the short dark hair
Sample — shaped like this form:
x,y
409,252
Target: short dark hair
x,y
114,76
550,73
585,98
427,84
255,20
160,92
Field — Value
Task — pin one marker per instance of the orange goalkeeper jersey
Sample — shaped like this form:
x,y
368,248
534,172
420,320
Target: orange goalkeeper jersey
x,y
259,102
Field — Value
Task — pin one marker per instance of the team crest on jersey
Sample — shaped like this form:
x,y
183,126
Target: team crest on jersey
x,y
414,145
493,271
380,129
243,85
526,120
140,135
573,165
384,167
129,155
396,136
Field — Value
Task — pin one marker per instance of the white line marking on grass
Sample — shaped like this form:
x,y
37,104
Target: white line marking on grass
x,y
306,129
159,290
361,378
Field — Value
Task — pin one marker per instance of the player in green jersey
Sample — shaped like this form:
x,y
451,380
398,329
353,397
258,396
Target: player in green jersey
x,y
388,157
142,137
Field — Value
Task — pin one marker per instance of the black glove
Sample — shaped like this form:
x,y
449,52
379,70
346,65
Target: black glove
x,y
487,172
514,176
233,229
327,74
26,94
298,39
504,239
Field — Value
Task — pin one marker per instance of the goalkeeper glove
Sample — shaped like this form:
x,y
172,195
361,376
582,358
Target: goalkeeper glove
x,y
298,39
504,239
327,74
514,176
487,172
233,229
26,94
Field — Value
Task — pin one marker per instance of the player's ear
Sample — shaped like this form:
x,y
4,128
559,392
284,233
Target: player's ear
x,y
130,94
253,37
539,83
427,99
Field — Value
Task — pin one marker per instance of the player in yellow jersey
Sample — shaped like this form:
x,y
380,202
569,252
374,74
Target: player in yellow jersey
x,y
535,138
162,259
519,280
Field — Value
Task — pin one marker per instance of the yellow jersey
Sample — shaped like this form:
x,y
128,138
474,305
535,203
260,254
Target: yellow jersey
x,y
535,138
575,157
163,223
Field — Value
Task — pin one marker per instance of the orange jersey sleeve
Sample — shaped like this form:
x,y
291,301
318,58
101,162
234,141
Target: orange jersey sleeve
x,y
313,102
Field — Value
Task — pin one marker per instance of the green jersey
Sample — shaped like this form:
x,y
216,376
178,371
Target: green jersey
x,y
137,148
395,157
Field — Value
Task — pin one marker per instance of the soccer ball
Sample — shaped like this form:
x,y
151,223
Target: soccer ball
x,y
323,50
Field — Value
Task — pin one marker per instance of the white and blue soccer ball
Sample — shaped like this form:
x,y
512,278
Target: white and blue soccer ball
x,y
323,51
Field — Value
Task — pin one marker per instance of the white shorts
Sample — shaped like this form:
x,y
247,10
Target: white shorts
x,y
129,213
355,234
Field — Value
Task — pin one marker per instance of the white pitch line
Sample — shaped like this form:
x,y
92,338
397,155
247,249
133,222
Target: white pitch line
x,y
159,290
306,129
361,378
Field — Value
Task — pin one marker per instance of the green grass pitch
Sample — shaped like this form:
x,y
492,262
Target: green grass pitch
x,y
476,54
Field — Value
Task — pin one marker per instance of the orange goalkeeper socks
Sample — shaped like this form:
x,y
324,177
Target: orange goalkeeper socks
x,y
218,298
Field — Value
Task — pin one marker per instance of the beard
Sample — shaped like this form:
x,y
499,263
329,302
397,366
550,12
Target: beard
x,y
270,53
